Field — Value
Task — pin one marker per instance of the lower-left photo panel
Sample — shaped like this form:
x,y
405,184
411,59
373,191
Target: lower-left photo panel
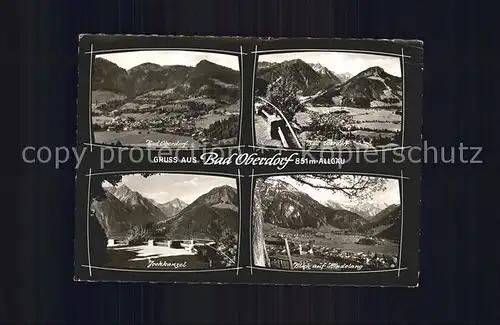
x,y
163,221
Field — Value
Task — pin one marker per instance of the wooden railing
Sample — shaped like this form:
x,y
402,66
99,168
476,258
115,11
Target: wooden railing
x,y
280,260
286,133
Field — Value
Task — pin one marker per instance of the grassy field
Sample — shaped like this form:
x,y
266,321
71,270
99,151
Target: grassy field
x,y
380,126
375,119
327,249
138,116
233,108
139,137
205,121
368,124
101,96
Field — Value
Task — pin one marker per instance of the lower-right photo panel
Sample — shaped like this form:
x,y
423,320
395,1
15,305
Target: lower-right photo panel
x,y
326,222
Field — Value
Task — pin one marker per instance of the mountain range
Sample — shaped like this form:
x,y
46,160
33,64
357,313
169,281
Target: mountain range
x,y
124,207
173,207
365,209
209,215
308,79
372,87
285,206
386,224
172,82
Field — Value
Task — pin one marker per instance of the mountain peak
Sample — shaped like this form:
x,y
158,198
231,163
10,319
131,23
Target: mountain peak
x,y
343,77
146,66
223,189
122,189
318,66
178,203
173,207
123,193
205,63
220,194
376,71
295,62
280,185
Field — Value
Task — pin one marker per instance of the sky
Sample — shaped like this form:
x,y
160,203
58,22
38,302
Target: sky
x,y
127,60
340,62
166,187
390,195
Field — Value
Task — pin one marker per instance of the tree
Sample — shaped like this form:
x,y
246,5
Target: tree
x,y
228,247
97,242
352,186
223,129
260,257
329,126
137,235
98,193
283,94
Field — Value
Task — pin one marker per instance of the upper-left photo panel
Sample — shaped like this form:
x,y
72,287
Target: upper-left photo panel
x,y
165,99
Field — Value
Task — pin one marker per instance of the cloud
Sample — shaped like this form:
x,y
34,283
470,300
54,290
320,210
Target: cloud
x,y
192,181
158,196
166,187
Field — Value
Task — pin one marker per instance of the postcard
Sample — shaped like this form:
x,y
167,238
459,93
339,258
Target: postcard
x,y
248,160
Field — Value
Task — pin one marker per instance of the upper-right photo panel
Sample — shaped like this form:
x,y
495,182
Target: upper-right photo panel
x,y
328,101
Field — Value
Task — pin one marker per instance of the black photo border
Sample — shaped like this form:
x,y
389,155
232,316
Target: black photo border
x,y
413,74
403,275
86,271
92,45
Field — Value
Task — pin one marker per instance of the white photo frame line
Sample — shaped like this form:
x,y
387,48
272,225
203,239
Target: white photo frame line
x,y
400,255
159,271
91,132
189,49
402,57
92,53
90,266
89,176
333,151
241,95
169,172
334,172
401,177
239,226
254,71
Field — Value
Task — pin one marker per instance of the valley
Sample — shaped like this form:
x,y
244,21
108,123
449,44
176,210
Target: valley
x,y
326,236
194,106
326,110
143,233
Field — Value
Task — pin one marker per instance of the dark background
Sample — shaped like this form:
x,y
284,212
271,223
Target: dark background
x,y
458,248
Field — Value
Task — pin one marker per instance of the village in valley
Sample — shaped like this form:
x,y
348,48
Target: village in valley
x,y
307,254
194,100
307,228
142,122
302,102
